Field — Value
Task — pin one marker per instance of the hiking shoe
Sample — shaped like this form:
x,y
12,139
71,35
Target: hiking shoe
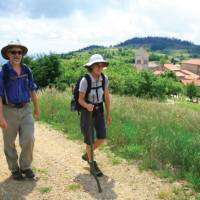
x,y
28,173
85,157
17,175
97,170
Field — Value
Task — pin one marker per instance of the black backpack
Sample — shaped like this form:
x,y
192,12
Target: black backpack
x,y
75,106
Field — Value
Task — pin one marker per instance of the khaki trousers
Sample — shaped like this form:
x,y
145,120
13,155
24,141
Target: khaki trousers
x,y
20,121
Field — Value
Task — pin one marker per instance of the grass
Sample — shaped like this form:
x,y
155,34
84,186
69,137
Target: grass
x,y
188,105
164,194
163,137
40,170
177,193
74,186
45,189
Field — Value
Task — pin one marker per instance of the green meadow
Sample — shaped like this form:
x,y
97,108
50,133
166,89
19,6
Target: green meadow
x,y
159,136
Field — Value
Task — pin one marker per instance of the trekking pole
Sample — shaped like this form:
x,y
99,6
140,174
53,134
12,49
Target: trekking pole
x,y
92,169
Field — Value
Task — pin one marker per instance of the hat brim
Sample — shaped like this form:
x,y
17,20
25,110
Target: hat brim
x,y
6,48
90,64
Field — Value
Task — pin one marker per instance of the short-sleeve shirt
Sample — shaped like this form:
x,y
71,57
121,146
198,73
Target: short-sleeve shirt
x,y
18,89
95,95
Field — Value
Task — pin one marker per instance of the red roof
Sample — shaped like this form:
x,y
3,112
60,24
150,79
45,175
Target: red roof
x,y
185,76
185,82
158,72
190,75
192,61
171,67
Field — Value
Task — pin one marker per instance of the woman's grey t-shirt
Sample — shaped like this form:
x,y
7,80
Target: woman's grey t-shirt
x,y
92,96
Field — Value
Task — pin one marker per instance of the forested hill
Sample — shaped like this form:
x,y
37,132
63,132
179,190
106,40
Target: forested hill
x,y
161,43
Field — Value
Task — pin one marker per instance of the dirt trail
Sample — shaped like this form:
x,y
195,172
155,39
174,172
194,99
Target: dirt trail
x,y
62,175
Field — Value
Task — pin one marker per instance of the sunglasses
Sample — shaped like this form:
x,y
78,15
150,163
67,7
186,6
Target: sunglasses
x,y
100,64
16,52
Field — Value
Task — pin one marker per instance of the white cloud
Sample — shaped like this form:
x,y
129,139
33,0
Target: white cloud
x,y
118,21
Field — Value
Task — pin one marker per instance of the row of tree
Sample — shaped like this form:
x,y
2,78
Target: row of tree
x,y
51,70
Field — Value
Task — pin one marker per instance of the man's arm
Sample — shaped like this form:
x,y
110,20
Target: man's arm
x,y
3,123
35,104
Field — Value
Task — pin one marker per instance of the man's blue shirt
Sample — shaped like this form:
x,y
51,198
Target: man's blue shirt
x,y
17,88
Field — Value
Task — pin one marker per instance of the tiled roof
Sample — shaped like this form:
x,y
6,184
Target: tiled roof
x,y
192,61
189,75
158,72
185,82
179,73
185,76
171,67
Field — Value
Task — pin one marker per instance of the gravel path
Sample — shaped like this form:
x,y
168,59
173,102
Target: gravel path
x,y
62,175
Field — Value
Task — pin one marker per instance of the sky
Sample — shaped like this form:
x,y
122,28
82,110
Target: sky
x,y
61,26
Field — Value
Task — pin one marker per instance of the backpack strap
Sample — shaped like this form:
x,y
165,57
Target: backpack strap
x,y
103,81
27,70
5,72
89,83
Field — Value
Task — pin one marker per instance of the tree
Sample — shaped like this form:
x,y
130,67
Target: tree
x,y
46,70
169,74
191,91
145,84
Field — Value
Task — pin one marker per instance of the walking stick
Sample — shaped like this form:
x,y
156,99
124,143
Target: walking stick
x,y
92,169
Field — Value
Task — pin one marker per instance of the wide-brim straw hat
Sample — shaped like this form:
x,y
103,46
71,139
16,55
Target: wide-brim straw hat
x,y
12,44
96,58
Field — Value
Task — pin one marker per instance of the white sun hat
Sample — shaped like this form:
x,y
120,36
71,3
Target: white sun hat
x,y
12,44
96,58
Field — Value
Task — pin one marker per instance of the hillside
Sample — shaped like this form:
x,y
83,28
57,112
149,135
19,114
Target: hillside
x,y
161,43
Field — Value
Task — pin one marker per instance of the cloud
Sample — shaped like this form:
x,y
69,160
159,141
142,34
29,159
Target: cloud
x,y
65,25
49,8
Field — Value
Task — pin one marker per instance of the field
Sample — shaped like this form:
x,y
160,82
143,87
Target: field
x,y
161,136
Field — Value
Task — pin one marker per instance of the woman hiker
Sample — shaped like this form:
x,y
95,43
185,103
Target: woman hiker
x,y
92,101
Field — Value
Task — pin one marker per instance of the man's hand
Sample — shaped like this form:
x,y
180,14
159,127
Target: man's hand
x,y
3,123
90,107
108,120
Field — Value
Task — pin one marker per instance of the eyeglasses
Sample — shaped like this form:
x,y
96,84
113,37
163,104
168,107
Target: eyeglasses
x,y
16,52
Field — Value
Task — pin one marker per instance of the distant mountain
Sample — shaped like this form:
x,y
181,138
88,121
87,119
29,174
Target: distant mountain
x,y
161,43
91,47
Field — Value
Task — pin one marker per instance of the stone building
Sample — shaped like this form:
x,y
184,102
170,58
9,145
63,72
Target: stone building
x,y
141,58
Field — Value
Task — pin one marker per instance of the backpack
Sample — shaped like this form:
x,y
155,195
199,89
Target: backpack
x,y
75,106
6,77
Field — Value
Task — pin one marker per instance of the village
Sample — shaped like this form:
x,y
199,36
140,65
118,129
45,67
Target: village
x,y
187,72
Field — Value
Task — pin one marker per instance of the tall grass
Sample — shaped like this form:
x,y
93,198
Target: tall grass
x,y
162,136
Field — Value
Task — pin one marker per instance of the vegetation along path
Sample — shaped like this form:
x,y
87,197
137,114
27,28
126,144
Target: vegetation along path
x,y
61,174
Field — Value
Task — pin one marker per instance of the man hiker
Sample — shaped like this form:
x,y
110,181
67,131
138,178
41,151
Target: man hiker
x,y
17,89
93,102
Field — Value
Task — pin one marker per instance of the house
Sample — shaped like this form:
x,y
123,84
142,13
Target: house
x,y
187,72
185,76
192,65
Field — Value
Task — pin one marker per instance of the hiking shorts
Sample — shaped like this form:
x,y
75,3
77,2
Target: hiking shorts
x,y
90,123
